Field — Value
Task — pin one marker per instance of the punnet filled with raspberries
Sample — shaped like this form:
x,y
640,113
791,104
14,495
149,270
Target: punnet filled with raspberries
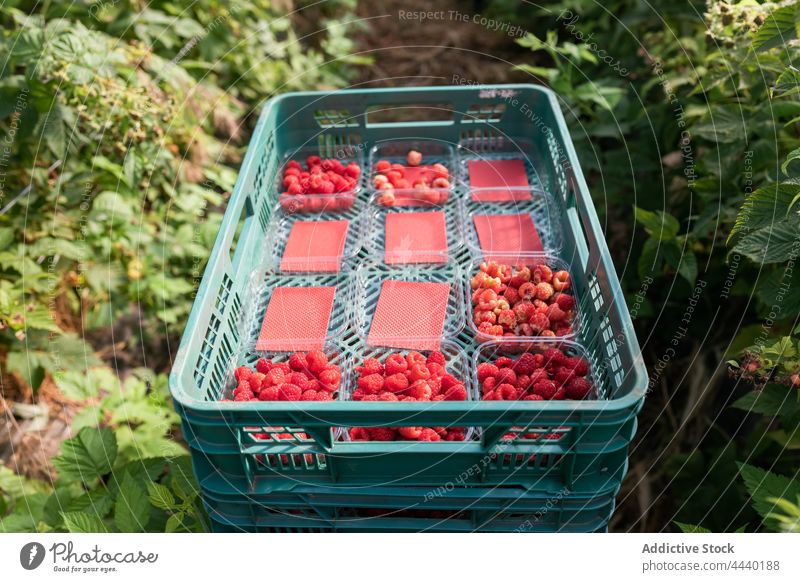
x,y
534,300
553,373
407,376
411,174
305,376
318,184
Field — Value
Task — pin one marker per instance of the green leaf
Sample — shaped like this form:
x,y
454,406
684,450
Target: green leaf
x,y
780,287
687,528
763,485
132,509
778,28
97,502
160,496
87,456
174,523
788,83
658,224
773,399
17,486
81,522
790,157
650,260
774,244
766,206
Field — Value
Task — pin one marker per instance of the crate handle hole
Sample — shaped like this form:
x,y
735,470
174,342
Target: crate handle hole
x,y
410,114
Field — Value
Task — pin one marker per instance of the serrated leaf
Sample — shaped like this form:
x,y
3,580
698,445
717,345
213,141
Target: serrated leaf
x,y
773,244
88,455
658,224
132,508
17,486
773,399
788,83
763,485
688,267
777,286
160,496
790,157
96,502
82,522
779,27
766,206
688,528
650,260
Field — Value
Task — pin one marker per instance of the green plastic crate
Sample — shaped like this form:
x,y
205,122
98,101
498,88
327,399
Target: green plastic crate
x,y
480,120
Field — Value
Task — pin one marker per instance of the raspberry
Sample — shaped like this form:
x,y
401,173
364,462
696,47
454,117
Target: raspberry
x,y
545,388
525,364
243,397
561,280
455,434
560,394
578,388
370,398
289,392
487,370
312,161
541,273
263,365
274,377
436,370
293,164
323,395
504,362
544,291
395,364
298,363
415,358
480,316
435,384
420,390
441,183
523,382
436,358
553,357
353,170
309,395
533,397
255,381
511,295
539,322
410,432
555,313
522,275
440,171
563,375
331,377
370,384
388,396
506,376
359,433
418,372
565,301
242,373
538,375
456,392
268,393
317,361
283,366
370,366
487,300
428,434
447,381
528,291
381,433
489,384
357,395
506,392
548,333
507,318
380,179
579,365
414,158
524,310
298,379
396,382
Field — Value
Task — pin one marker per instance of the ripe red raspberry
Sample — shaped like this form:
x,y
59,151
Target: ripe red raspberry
x,y
293,164
544,291
314,384
388,396
371,384
420,390
312,161
414,158
528,291
539,323
455,434
541,273
525,364
396,382
242,373
353,170
357,394
511,295
565,301
289,392
546,389
359,433
555,313
274,377
436,357
578,364
447,381
415,358
323,396
255,380
524,310
523,382
487,300
317,361
479,317
436,370
506,392
553,357
309,395
441,183
268,393
538,375
298,379
370,366
428,434
370,398
457,392
331,377
561,281
563,376
489,384
243,397
283,366
395,364
506,376
435,384
410,432
578,388
504,362
381,433
522,275
298,363
440,171
507,318
263,365
533,397
418,372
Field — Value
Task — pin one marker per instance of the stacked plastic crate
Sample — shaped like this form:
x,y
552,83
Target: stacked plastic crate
x,y
523,465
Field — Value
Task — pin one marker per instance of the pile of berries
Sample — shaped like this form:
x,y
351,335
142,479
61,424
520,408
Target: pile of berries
x,y
522,301
305,376
430,186
329,176
550,375
407,378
